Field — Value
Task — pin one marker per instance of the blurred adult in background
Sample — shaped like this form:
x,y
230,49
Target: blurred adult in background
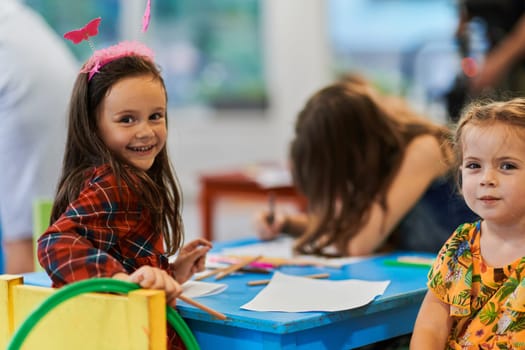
x,y
376,175
501,73
38,72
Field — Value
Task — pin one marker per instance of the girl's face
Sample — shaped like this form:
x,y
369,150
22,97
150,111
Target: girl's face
x,y
132,120
493,172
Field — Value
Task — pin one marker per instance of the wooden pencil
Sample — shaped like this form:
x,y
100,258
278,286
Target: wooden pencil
x,y
263,282
270,218
202,307
209,274
231,269
224,269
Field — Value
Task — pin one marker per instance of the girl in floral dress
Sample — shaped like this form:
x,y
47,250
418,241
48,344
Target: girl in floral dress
x,y
476,297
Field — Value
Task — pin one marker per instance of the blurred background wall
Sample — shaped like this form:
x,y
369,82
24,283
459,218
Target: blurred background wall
x,y
238,71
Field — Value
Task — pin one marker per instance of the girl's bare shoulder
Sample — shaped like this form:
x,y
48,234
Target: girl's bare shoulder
x,y
427,151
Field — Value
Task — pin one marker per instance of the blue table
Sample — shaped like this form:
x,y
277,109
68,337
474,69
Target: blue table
x,y
390,315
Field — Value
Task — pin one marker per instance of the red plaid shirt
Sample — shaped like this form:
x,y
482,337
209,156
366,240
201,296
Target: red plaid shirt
x,y
102,232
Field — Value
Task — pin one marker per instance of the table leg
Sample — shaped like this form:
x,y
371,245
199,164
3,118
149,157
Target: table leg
x,y
207,204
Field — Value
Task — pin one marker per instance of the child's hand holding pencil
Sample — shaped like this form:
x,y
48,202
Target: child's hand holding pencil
x,y
269,223
270,218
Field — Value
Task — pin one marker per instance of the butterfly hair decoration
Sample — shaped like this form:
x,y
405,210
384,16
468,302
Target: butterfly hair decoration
x,y
90,29
104,56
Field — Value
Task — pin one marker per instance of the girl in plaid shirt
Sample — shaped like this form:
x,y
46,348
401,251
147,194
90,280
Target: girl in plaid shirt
x,y
117,208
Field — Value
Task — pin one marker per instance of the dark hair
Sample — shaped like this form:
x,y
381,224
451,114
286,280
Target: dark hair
x,y
159,189
347,147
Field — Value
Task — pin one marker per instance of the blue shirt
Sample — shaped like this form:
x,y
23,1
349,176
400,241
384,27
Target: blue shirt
x,y
434,218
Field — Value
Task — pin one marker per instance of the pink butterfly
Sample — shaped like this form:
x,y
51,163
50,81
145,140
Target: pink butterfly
x,y
90,29
146,17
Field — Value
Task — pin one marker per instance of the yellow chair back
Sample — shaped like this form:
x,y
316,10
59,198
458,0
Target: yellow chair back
x,y
89,321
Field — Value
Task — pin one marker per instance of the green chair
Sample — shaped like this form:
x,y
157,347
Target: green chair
x,y
41,217
1,251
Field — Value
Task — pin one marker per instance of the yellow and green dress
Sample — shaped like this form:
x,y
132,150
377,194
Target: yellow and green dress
x,y
487,304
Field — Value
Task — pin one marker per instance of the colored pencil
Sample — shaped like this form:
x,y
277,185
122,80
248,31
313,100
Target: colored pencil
x,y
410,261
209,274
235,267
202,307
244,267
263,282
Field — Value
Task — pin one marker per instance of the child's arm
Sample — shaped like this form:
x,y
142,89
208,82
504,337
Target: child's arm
x,y
154,278
501,58
69,257
433,324
423,162
191,259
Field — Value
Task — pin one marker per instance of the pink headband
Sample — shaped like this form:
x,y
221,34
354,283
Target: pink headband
x,y
122,49
104,56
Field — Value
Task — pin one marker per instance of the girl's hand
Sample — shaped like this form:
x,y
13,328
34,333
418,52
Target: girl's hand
x,y
269,229
191,259
154,278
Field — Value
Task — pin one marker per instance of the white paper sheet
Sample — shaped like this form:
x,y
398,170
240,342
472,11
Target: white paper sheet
x,y
282,247
194,289
300,294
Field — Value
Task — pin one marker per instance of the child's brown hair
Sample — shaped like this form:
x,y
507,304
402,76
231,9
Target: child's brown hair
x,y
158,189
349,145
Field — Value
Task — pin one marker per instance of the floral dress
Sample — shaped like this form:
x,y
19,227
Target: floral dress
x,y
487,304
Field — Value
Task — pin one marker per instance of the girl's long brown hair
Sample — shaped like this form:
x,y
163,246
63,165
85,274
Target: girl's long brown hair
x,y
157,187
349,145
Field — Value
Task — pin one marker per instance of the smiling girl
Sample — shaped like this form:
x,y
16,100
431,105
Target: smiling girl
x,y
117,208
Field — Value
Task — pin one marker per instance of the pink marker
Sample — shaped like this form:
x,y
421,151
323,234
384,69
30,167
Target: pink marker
x,y
262,265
